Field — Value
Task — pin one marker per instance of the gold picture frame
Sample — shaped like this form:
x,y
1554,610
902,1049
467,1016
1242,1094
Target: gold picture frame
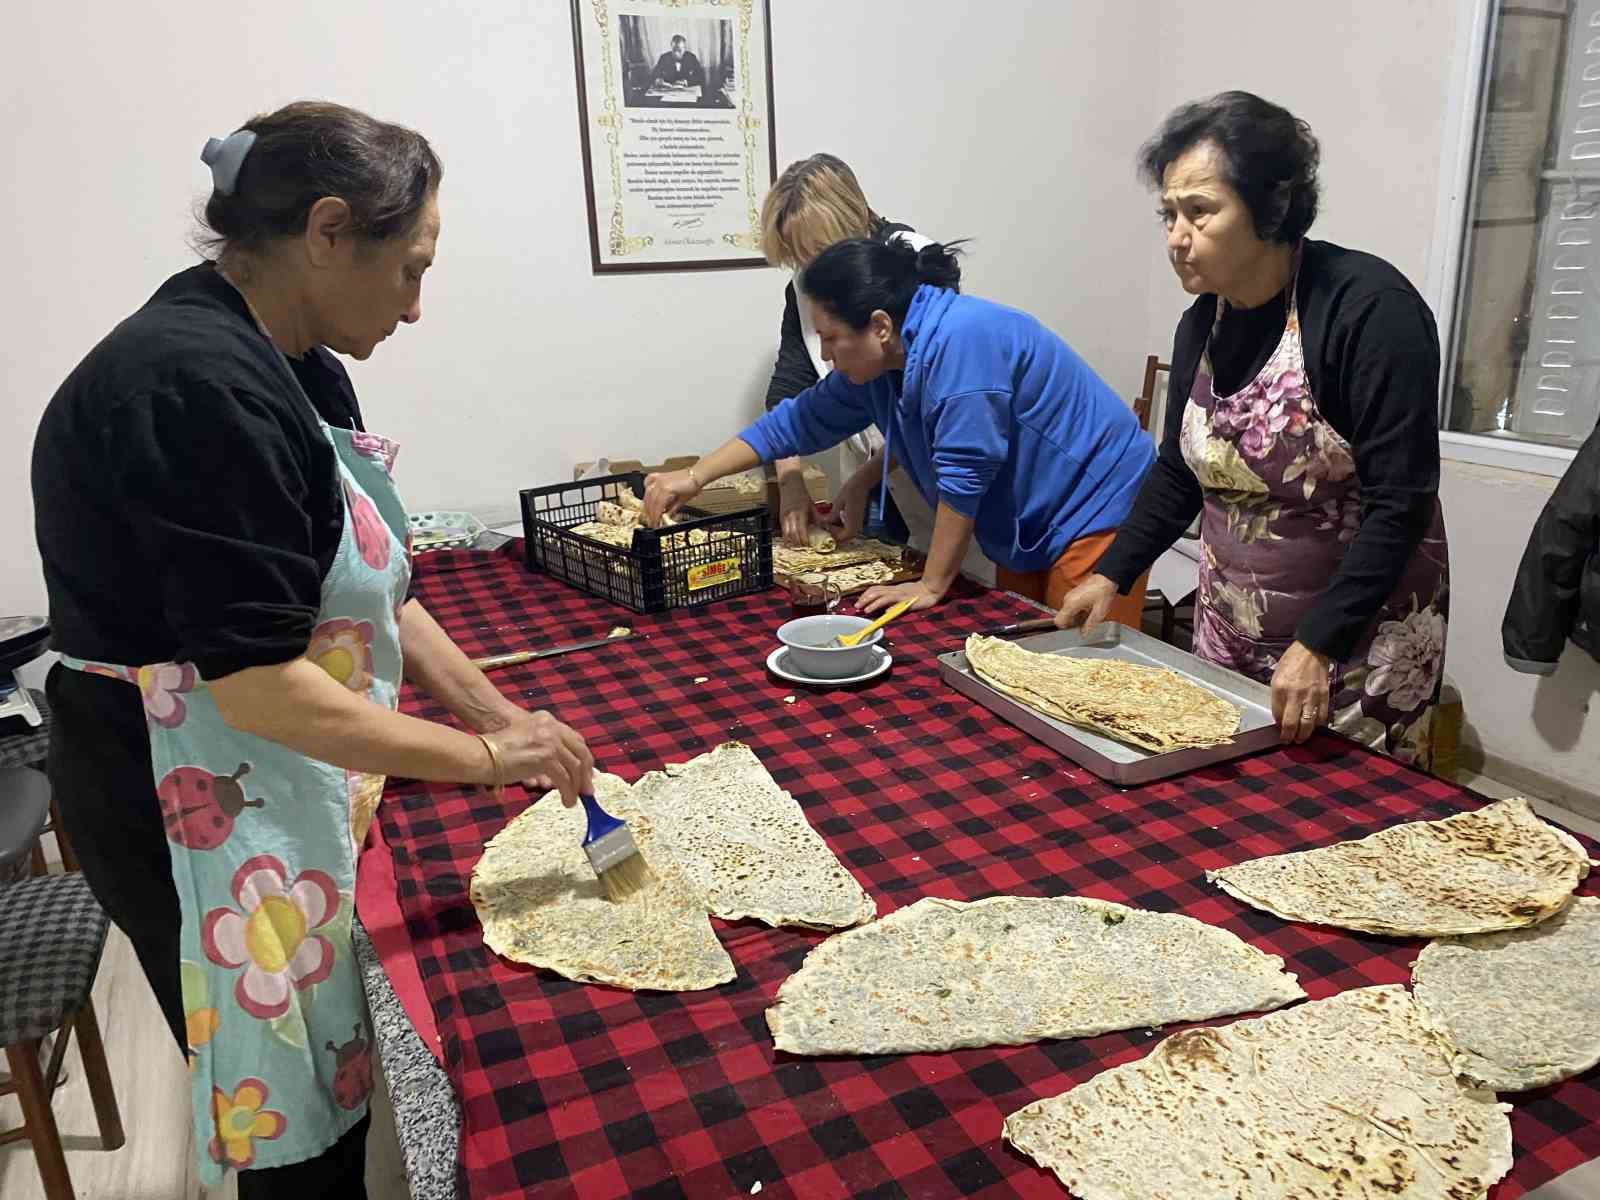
x,y
675,169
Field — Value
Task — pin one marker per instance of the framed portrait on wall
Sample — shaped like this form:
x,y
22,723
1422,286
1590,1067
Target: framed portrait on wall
x,y
675,106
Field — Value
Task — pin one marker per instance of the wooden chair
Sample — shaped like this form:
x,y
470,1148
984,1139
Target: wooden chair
x,y
52,933
29,748
1144,404
1144,407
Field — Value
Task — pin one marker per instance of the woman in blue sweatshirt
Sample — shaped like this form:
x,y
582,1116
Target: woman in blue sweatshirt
x,y
994,418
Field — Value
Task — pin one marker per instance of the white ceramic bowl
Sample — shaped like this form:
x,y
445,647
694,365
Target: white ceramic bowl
x,y
809,653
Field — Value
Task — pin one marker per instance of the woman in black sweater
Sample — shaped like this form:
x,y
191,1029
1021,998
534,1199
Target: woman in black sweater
x,y
1304,426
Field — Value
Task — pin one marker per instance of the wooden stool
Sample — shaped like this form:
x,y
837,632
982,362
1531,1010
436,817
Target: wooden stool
x,y
52,933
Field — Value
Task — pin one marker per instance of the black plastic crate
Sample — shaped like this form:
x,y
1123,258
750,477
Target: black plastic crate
x,y
663,569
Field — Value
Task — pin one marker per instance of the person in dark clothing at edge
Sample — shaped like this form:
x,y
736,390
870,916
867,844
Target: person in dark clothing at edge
x,y
1556,596
227,564
816,203
678,67
1304,428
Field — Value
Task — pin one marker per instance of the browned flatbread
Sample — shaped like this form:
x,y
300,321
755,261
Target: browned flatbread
x,y
1149,707
1349,1098
1499,867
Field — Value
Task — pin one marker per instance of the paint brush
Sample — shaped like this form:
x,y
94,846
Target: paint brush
x,y
612,852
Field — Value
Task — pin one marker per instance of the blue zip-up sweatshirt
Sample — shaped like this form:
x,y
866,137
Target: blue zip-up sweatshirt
x,y
995,416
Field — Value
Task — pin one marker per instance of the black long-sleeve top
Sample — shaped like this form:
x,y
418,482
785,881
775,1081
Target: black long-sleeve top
x,y
1372,360
187,503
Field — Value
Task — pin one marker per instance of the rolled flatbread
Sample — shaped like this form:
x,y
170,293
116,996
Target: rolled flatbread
x,y
1149,707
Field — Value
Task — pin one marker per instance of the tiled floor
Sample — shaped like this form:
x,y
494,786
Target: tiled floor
x,y
152,1090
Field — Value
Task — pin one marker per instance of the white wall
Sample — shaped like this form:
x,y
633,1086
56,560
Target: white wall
x,y
1019,132
1369,76
524,361
1374,85
1537,724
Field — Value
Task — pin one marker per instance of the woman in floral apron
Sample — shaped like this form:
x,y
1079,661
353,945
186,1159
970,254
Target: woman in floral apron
x,y
1302,429
227,561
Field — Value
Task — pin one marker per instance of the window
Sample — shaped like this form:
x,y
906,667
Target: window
x,y
1524,367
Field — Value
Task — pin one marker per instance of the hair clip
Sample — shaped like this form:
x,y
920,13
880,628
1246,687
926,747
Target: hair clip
x,y
225,156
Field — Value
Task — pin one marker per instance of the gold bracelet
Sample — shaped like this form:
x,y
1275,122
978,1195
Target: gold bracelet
x,y
693,478
498,765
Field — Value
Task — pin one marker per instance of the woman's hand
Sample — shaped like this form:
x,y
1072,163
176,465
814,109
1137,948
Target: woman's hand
x,y
1300,693
1087,604
876,599
543,754
796,511
666,492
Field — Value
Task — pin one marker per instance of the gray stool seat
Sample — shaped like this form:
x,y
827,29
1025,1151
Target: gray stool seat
x,y
52,931
27,747
24,812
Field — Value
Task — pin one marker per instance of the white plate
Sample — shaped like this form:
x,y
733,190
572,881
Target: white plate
x,y
778,665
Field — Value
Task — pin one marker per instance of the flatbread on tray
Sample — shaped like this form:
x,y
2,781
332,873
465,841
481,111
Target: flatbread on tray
x,y
944,974
746,845
1349,1098
541,904
1521,1008
1498,867
1149,707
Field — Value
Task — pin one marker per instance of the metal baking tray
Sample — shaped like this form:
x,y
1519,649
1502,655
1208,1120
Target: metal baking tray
x,y
1114,761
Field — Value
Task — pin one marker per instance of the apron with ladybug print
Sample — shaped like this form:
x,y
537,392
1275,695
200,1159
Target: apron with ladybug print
x,y
263,857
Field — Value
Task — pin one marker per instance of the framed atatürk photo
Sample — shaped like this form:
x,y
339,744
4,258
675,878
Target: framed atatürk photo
x,y
675,104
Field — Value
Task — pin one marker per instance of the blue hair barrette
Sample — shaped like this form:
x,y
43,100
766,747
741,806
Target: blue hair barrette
x,y
225,156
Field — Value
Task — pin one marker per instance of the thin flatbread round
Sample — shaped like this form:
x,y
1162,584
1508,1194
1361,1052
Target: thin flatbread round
x,y
1498,867
540,903
1009,970
1520,1009
1349,1098
746,845
1149,707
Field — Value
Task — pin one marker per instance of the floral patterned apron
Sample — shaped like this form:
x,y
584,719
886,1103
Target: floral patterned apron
x,y
263,843
1282,505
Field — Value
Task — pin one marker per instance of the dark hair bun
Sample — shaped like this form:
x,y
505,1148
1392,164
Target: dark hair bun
x,y
310,150
862,276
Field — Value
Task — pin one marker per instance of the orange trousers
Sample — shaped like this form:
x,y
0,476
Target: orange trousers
x,y
1072,568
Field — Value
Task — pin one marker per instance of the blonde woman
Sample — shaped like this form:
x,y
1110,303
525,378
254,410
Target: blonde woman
x,y
816,203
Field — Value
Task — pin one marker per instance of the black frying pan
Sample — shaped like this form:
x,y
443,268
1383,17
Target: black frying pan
x,y
22,639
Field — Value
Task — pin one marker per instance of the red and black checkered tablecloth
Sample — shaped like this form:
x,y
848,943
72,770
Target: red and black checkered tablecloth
x,y
573,1090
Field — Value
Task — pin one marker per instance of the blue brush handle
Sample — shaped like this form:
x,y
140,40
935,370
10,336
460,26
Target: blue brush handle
x,y
600,821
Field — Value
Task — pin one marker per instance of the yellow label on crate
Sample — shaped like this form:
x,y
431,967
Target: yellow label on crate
x,y
724,570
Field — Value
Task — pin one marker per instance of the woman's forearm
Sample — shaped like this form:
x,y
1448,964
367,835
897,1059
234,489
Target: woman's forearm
x,y
300,706
438,666
788,469
952,533
733,456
